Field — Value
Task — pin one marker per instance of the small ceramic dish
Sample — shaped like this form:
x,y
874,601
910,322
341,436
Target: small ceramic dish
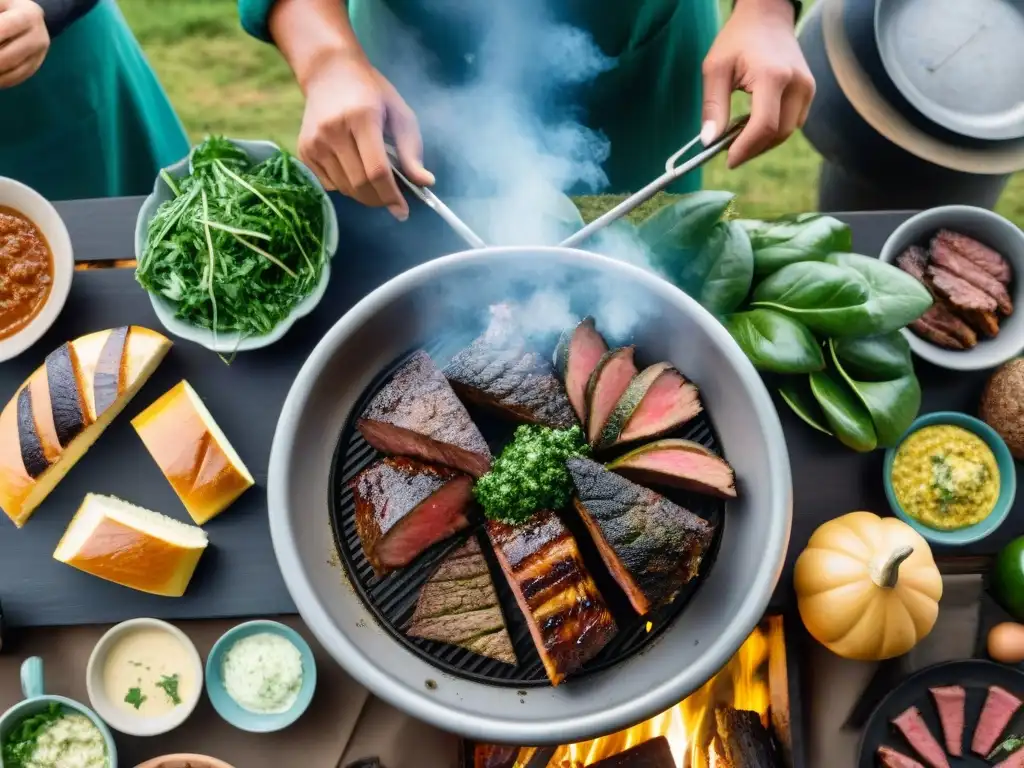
x,y
227,343
228,708
37,701
1007,480
39,210
997,233
184,761
106,703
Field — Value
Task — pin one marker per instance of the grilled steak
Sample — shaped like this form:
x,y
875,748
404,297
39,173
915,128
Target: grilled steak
x,y
939,324
404,506
960,293
915,731
657,401
499,372
576,356
1000,707
914,261
417,414
985,323
944,256
458,605
610,378
678,464
977,253
651,546
949,700
567,616
890,758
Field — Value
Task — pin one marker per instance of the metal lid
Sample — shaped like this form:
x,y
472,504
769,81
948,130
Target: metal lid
x,y
957,62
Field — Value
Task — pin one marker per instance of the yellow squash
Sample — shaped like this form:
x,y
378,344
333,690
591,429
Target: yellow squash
x,y
867,587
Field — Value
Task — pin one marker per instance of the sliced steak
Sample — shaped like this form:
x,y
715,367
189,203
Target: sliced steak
x,y
890,758
985,323
914,261
499,372
417,414
567,616
656,402
678,464
404,506
960,293
941,326
944,256
1015,760
458,605
608,381
915,731
1000,707
576,356
949,700
977,253
651,546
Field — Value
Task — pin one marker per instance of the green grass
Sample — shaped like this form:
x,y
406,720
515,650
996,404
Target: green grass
x,y
222,81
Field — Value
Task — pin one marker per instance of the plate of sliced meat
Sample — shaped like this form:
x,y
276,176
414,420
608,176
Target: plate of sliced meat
x,y
960,713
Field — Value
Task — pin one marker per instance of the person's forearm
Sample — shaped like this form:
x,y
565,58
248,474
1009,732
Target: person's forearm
x,y
61,14
309,31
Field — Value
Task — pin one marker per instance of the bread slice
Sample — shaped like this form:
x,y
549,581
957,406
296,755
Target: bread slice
x,y
193,453
64,406
132,546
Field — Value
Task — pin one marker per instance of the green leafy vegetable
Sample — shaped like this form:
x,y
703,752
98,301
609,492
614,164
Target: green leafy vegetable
x,y
875,358
20,741
675,233
1009,745
530,474
170,687
847,417
135,697
791,239
826,298
239,245
796,393
895,299
729,271
774,342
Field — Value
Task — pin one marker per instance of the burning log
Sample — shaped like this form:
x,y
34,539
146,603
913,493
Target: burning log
x,y
495,756
653,753
745,741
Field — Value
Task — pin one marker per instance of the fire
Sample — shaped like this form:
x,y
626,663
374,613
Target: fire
x,y
690,725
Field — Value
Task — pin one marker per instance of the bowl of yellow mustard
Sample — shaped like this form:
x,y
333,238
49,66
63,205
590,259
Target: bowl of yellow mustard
x,y
951,477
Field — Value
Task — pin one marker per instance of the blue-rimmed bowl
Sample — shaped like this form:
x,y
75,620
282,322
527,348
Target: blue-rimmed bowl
x,y
258,151
227,708
1007,479
37,701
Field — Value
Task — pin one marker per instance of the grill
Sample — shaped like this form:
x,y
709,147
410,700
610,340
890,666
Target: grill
x,y
392,598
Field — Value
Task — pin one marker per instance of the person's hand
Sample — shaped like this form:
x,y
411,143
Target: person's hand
x,y
349,105
757,52
24,41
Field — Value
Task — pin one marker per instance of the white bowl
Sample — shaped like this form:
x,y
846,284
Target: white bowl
x,y
997,233
25,200
258,151
106,708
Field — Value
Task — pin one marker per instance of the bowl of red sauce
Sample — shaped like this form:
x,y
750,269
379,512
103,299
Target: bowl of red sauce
x,y
36,266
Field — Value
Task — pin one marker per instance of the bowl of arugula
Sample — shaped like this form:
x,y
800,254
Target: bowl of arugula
x,y
234,244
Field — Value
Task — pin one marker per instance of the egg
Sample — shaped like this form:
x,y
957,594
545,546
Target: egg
x,y
1006,642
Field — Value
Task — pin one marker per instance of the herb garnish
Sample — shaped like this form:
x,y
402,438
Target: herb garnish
x,y
135,697
239,245
530,474
21,741
170,686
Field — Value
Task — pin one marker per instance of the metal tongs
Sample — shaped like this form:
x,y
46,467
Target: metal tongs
x,y
675,168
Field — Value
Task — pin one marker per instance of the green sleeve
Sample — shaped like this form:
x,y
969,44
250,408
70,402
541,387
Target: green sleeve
x,y
254,14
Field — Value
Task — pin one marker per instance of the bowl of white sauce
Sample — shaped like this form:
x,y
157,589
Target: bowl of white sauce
x,y
260,676
52,731
144,677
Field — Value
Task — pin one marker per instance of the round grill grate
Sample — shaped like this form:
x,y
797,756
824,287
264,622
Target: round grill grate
x,y
392,598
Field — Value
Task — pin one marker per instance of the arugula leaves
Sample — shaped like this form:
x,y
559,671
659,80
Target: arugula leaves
x,y
239,245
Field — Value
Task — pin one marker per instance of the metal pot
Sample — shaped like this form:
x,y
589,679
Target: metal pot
x,y
423,304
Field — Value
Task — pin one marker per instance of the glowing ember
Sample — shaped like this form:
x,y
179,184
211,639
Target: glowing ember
x,y
690,725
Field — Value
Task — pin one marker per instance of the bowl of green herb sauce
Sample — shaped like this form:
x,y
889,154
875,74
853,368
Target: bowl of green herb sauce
x,y
234,244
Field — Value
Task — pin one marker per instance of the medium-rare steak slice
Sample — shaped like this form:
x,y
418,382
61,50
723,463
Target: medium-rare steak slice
x,y
404,506
915,731
1000,707
651,546
678,464
458,605
417,414
950,700
939,324
890,758
914,261
960,293
608,381
977,253
499,372
985,323
576,356
944,256
656,402
567,616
